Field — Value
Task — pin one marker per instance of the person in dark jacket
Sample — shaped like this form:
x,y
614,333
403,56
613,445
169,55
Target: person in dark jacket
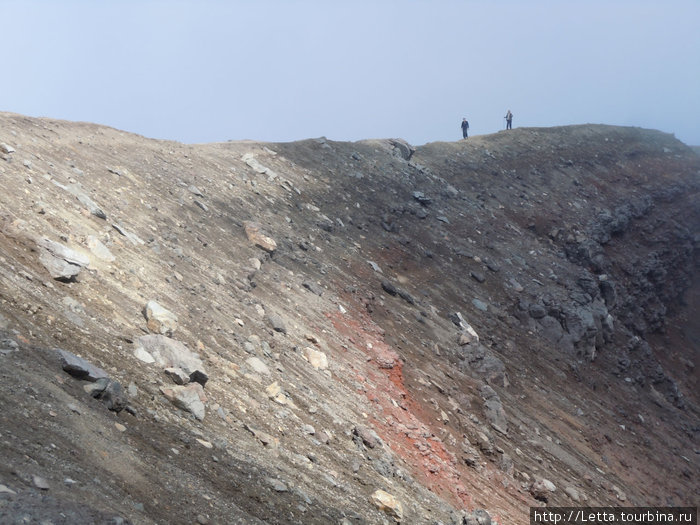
x,y
509,120
465,128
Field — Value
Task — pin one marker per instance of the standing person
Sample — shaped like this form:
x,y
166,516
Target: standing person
x,y
465,128
509,120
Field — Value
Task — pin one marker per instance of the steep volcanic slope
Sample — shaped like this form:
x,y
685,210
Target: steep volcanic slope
x,y
451,324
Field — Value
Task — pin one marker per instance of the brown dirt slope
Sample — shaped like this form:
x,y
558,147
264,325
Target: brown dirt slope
x,y
452,324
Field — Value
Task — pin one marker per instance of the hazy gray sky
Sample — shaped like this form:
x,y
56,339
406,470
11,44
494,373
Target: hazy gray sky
x,y
281,70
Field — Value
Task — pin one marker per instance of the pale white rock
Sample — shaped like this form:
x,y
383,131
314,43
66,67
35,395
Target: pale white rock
x,y
273,390
258,366
254,163
132,237
190,398
40,483
375,266
159,319
99,250
542,488
388,504
316,358
62,262
205,444
573,494
257,237
170,353
143,355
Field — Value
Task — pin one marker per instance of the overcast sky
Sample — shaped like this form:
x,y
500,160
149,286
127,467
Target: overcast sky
x,y
282,70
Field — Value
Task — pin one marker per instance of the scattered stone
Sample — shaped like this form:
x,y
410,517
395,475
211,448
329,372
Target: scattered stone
x,y
252,162
366,436
480,305
388,504
466,338
385,357
277,485
110,392
477,517
573,494
375,266
316,358
40,483
537,311
619,494
98,249
205,444
541,489
277,323
255,235
189,398
201,205
132,390
132,237
389,288
195,190
178,375
493,409
258,366
160,320
273,389
402,149
313,287
6,490
484,443
7,346
266,439
170,353
79,367
457,319
77,191
6,149
491,265
515,285
120,427
63,263
421,198
478,276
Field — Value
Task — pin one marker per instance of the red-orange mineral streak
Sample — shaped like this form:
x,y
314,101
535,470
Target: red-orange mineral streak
x,y
404,425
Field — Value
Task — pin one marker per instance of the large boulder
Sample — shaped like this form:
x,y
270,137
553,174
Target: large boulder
x,y
170,353
79,367
63,263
